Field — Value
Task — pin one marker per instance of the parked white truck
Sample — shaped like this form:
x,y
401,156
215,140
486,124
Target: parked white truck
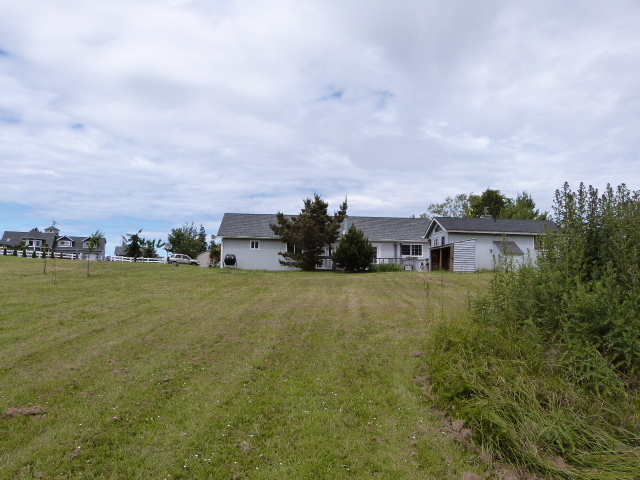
x,y
180,259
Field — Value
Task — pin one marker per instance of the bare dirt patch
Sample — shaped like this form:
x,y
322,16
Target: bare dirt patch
x,y
15,411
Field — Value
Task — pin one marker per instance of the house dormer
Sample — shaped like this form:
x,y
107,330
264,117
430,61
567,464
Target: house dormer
x,y
65,242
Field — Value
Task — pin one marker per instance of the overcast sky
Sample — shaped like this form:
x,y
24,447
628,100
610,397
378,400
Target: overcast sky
x,y
123,115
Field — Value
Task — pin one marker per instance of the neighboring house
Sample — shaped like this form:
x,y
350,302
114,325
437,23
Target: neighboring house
x,y
36,240
471,244
249,237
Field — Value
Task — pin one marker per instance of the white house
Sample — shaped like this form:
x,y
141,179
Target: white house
x,y
249,237
471,244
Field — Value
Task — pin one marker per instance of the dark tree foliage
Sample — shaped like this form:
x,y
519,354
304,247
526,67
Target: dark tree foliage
x,y
522,207
355,252
490,202
187,240
150,247
309,233
134,245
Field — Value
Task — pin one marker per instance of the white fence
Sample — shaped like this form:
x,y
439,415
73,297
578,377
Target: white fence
x,y
68,256
117,258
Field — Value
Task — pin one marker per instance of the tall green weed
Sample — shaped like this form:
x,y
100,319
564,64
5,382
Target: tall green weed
x,y
544,369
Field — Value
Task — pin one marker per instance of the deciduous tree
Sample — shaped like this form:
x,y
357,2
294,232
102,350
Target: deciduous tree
x,y
93,243
187,240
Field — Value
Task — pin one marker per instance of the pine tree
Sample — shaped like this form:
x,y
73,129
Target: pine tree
x,y
309,233
355,252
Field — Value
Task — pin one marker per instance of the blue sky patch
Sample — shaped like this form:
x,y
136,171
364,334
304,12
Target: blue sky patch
x,y
9,117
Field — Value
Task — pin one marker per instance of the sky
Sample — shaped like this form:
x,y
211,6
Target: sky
x,y
123,115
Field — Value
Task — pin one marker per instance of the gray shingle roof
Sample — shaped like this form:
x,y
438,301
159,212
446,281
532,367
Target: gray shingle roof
x,y
390,228
51,239
490,225
11,238
249,225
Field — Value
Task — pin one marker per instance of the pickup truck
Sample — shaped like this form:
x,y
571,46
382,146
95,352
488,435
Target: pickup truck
x,y
179,258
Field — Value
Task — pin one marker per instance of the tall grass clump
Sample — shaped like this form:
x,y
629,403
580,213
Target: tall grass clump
x,y
546,369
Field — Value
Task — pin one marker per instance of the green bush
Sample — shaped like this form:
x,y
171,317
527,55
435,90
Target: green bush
x,y
387,267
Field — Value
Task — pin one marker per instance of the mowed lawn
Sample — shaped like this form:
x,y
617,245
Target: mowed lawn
x,y
153,372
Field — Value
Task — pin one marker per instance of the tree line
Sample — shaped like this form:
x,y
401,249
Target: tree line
x,y
186,240
490,202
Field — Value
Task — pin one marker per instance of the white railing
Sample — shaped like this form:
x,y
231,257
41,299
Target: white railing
x,y
407,263
118,258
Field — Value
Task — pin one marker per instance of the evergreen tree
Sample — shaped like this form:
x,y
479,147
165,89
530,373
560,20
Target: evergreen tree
x,y
150,247
355,252
309,233
134,245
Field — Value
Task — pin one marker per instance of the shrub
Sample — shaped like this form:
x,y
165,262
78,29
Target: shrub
x,y
355,252
387,267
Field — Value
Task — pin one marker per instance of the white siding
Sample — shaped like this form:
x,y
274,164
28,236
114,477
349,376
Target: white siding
x,y
486,252
464,256
266,257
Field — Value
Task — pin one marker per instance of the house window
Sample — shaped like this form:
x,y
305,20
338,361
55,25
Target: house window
x,y
411,250
255,244
443,242
537,243
64,243
291,248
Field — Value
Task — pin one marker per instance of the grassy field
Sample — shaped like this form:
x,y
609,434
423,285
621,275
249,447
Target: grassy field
x,y
154,372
